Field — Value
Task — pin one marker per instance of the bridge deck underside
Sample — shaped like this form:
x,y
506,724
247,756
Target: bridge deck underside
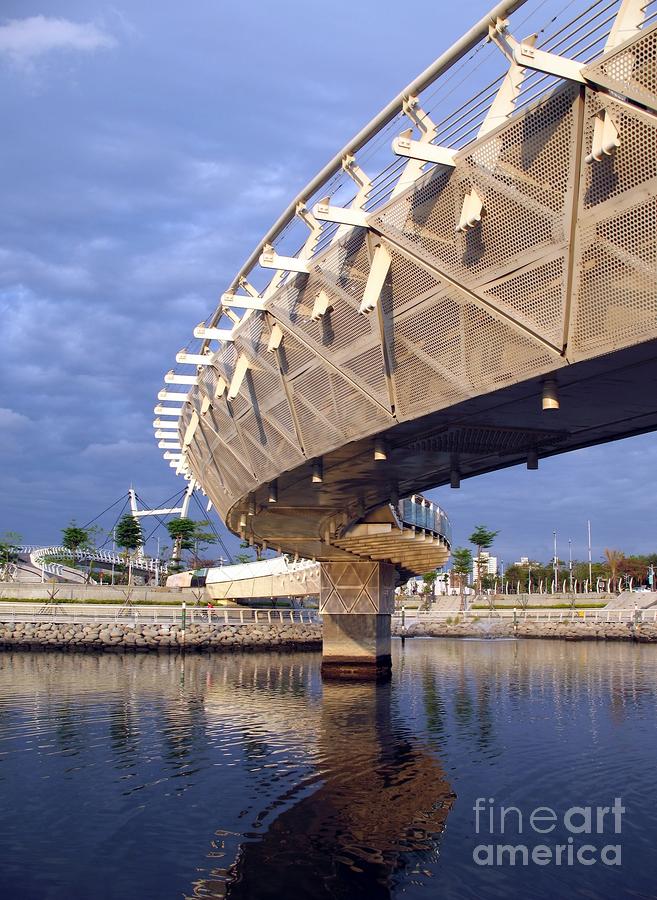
x,y
602,400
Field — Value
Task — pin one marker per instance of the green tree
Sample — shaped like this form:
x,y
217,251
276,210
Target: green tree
x,y
462,566
129,536
188,534
181,532
614,559
429,579
74,538
482,538
246,556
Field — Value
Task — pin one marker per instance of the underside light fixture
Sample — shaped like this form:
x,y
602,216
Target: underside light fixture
x,y
454,478
243,520
252,506
532,460
273,492
318,472
550,398
380,451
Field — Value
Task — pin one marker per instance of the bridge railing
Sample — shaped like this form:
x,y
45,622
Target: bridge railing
x,y
601,616
37,557
91,614
427,515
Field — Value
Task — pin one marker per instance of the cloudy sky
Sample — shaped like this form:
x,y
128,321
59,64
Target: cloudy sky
x,y
145,150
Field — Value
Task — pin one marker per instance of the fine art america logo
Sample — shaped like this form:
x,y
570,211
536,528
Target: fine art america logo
x,y
585,835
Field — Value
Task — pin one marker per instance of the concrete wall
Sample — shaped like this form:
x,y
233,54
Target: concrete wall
x,y
92,593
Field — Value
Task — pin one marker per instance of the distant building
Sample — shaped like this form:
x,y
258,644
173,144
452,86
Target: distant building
x,y
489,565
522,562
442,584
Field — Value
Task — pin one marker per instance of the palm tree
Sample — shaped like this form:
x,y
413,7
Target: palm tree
x,y
614,558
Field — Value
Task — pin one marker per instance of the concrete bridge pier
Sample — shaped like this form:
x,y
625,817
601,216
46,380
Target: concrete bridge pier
x,y
356,603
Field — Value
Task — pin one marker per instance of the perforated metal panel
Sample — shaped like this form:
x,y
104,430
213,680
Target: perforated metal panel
x,y
615,302
349,340
524,174
630,69
632,164
535,297
614,291
447,349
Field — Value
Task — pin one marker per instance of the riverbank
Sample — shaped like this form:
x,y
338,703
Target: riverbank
x,y
569,630
119,637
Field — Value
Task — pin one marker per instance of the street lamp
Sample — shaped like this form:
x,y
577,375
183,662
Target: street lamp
x,y
555,563
570,563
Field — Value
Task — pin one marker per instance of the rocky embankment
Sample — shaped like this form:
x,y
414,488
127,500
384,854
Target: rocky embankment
x,y
292,636
575,630
120,638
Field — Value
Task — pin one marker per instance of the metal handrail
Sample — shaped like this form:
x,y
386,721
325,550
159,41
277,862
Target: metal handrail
x,y
94,614
444,62
602,616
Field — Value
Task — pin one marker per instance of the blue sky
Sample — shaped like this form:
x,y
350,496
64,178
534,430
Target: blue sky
x,y
145,151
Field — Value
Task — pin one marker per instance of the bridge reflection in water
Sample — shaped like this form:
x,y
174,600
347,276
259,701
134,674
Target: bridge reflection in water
x,y
380,803
243,775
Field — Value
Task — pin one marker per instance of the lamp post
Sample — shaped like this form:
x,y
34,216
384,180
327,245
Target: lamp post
x,y
590,567
555,564
113,551
570,563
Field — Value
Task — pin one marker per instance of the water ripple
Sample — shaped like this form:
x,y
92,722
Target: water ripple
x,y
245,777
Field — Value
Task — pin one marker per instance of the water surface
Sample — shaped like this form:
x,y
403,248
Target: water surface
x,y
162,776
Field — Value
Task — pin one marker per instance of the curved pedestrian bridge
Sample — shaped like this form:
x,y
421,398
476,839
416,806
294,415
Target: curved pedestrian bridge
x,y
468,285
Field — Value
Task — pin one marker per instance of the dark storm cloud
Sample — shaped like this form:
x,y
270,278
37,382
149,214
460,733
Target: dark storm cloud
x,y
145,150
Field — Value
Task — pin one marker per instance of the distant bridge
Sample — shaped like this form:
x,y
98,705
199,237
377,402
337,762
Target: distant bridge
x,y
41,560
